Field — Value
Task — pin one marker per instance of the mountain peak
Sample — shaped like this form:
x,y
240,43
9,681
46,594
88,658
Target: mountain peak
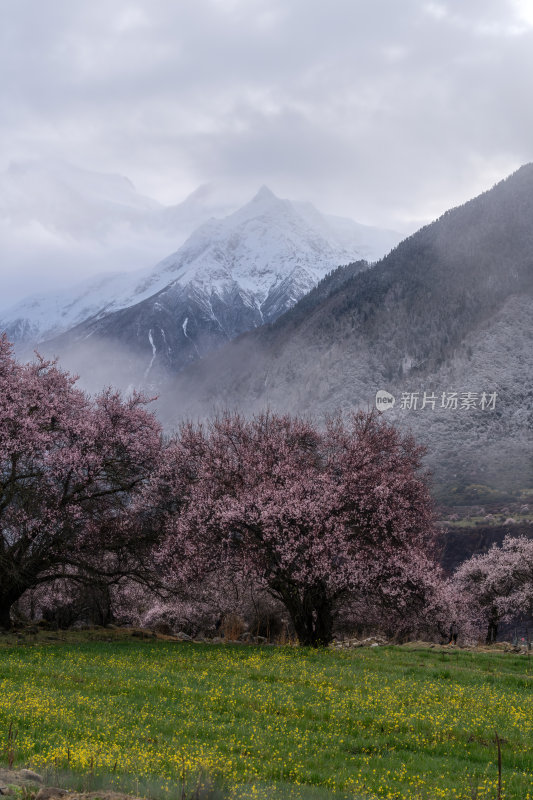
x,y
263,194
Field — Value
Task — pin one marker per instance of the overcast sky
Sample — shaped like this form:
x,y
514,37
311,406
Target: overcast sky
x,y
388,111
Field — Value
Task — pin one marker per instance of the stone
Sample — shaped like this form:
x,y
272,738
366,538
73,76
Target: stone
x,y
30,775
47,792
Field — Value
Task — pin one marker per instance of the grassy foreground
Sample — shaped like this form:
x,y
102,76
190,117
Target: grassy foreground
x,y
388,722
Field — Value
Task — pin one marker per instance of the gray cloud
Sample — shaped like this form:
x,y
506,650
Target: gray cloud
x,y
385,111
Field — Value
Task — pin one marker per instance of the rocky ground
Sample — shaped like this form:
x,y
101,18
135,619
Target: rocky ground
x,y
34,635
28,785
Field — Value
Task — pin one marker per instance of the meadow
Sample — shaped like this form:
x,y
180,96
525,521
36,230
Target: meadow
x,y
276,722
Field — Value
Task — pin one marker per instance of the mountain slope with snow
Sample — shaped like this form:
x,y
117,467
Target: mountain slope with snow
x,y
269,253
230,276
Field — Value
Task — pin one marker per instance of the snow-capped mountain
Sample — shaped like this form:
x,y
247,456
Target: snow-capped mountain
x,y
266,243
95,211
231,275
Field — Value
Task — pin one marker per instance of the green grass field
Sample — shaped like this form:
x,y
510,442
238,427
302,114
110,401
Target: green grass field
x,y
391,722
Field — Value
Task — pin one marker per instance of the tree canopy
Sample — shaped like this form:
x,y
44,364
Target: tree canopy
x,y
312,515
70,467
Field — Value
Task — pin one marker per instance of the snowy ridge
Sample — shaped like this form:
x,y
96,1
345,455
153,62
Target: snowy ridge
x,y
260,260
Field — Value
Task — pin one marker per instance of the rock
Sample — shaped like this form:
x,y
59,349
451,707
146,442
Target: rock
x,y
184,636
30,775
48,792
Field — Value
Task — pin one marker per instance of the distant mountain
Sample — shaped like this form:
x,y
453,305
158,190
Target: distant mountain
x,y
60,225
86,205
68,200
231,275
448,310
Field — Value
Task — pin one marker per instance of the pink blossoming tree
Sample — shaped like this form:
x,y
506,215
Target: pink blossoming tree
x,y
497,585
312,516
70,469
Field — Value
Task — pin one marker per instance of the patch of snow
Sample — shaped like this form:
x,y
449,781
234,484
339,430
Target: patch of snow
x,y
154,353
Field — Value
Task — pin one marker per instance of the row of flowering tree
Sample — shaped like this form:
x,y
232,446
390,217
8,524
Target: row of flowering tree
x,y
89,489
323,520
